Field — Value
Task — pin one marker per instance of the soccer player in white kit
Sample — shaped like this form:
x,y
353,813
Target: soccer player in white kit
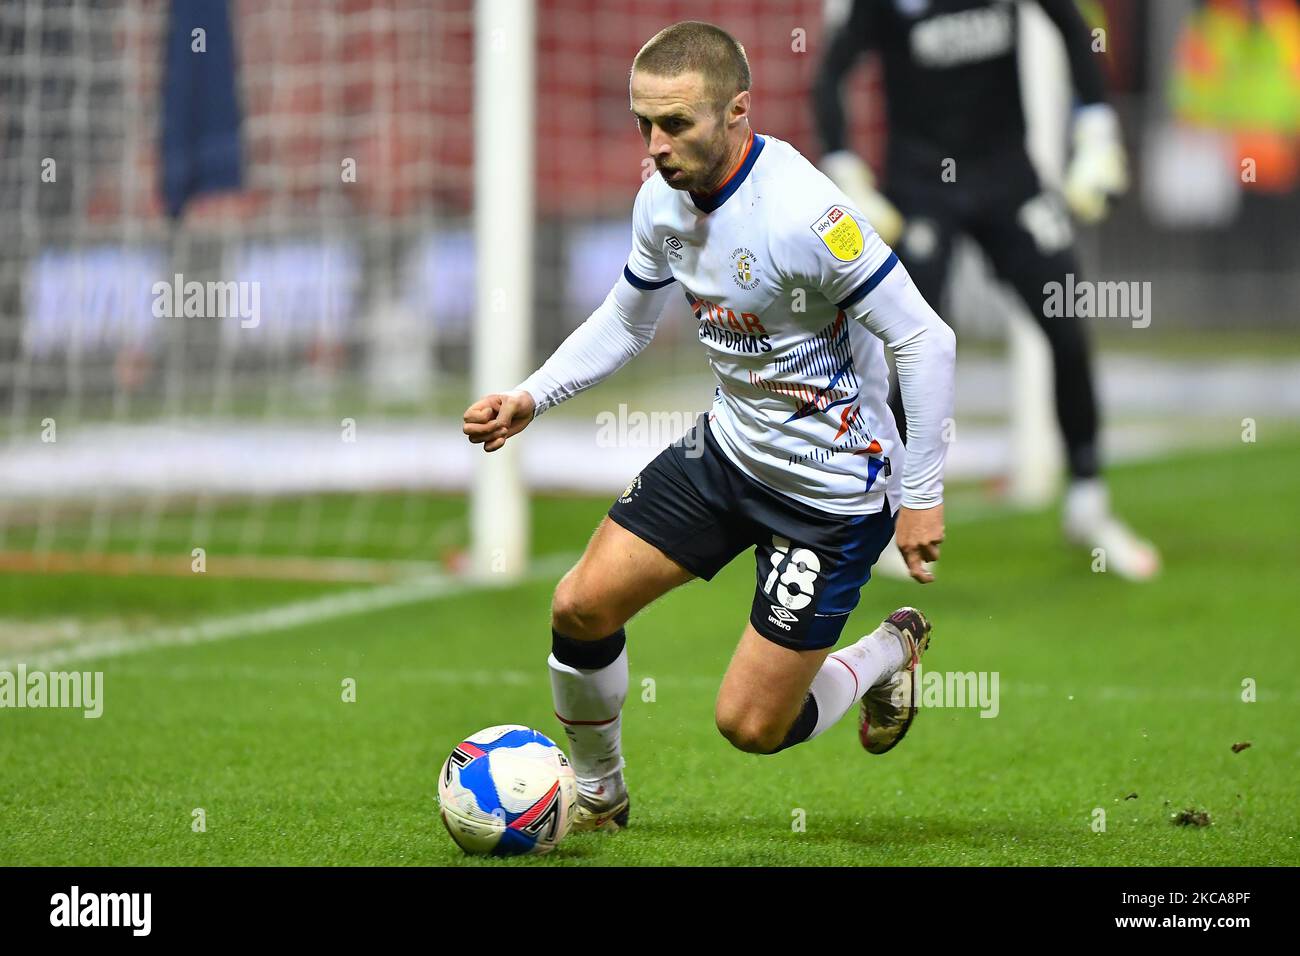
x,y
799,458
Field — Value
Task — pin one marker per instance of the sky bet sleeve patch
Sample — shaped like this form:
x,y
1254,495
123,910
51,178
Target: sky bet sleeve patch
x,y
840,233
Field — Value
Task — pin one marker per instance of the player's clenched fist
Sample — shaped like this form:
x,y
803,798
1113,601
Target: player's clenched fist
x,y
494,418
919,534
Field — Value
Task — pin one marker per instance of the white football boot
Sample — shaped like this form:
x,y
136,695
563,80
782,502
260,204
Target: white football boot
x,y
1089,523
889,708
602,805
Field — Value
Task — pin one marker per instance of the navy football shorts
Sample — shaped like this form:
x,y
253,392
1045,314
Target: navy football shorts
x,y
695,506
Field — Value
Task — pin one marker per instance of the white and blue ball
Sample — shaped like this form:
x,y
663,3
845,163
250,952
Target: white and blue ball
x,y
505,791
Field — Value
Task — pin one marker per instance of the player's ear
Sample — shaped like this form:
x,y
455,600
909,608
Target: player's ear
x,y
738,108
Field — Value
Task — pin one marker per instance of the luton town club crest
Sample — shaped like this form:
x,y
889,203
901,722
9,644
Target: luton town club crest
x,y
633,487
744,268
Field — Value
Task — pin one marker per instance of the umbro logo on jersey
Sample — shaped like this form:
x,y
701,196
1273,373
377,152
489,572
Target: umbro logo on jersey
x,y
674,248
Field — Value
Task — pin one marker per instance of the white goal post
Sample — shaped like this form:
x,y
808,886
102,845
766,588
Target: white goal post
x,y
504,45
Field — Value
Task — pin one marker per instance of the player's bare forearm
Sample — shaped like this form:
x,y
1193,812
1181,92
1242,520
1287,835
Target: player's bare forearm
x,y
918,535
497,417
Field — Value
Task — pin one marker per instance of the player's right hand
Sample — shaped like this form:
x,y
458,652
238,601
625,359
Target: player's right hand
x,y
855,179
496,417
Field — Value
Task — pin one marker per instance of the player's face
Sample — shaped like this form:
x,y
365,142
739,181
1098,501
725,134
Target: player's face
x,y
684,129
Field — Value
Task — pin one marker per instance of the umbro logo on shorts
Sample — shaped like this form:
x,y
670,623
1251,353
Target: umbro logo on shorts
x,y
780,615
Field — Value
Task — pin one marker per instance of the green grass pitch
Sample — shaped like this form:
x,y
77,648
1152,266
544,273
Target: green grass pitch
x,y
1116,696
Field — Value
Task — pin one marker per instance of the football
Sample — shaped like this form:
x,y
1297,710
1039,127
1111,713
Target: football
x,y
505,791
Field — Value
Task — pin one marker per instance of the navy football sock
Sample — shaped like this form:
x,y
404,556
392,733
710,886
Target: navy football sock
x,y
803,725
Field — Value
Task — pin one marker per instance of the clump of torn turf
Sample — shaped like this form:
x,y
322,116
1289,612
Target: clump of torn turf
x,y
1238,748
1191,817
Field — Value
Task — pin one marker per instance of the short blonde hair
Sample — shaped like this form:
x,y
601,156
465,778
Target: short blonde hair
x,y
692,46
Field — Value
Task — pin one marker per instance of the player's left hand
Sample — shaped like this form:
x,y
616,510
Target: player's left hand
x,y
1099,168
918,535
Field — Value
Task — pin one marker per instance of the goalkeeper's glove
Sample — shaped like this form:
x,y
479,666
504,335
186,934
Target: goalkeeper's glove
x,y
1099,169
847,170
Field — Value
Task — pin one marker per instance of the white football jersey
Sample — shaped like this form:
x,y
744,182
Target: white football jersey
x,y
770,263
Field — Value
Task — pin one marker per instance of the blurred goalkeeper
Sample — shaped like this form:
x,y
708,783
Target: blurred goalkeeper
x,y
953,103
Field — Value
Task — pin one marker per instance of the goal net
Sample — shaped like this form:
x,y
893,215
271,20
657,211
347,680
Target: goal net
x,y
260,376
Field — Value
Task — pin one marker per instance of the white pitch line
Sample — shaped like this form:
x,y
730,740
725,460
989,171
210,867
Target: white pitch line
x,y
297,614
282,617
